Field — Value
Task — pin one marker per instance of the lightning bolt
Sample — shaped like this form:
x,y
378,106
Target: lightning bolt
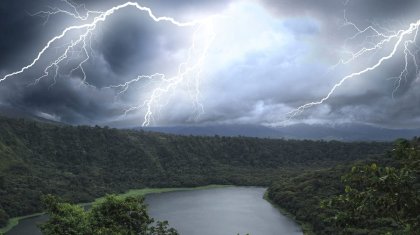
x,y
404,38
188,71
73,12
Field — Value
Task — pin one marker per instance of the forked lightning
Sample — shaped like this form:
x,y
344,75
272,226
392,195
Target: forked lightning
x,y
394,41
188,71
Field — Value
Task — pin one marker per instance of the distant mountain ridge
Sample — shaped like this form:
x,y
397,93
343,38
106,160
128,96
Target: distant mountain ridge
x,y
343,132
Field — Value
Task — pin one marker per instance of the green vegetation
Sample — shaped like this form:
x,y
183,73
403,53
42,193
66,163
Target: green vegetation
x,y
306,227
379,196
114,215
300,195
82,163
131,193
14,221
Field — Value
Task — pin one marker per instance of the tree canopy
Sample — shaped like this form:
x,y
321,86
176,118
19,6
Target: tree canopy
x,y
115,215
377,196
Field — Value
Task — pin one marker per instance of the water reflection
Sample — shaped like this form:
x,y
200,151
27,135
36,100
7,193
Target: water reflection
x,y
220,211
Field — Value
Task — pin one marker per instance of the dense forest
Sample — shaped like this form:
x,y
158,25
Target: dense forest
x,y
80,163
375,196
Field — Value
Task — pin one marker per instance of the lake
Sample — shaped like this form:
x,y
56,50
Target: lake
x,y
216,211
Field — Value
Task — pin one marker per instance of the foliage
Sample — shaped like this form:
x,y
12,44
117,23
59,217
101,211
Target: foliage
x,y
64,218
115,215
161,228
377,196
299,195
80,163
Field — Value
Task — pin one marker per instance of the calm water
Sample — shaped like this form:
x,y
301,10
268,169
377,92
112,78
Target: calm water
x,y
221,211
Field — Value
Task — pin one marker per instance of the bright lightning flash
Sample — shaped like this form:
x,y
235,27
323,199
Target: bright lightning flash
x,y
389,43
188,71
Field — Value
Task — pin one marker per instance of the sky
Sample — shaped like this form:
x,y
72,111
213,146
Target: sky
x,y
247,62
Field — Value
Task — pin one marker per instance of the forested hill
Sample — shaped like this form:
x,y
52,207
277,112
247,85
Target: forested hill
x,y
378,196
82,163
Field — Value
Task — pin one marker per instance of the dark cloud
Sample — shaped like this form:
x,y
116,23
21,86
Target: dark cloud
x,y
270,56
122,43
17,28
126,45
66,99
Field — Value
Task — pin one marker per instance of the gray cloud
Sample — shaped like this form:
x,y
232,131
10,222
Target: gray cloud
x,y
361,10
269,58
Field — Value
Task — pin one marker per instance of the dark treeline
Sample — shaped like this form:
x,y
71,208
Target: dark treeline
x,y
300,195
82,163
375,196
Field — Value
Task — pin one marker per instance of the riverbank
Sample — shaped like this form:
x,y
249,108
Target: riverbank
x,y
133,193
15,221
306,228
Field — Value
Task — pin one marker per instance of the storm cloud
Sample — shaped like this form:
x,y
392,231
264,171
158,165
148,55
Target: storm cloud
x,y
268,58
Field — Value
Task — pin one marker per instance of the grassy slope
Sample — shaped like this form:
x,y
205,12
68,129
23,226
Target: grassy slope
x,y
146,191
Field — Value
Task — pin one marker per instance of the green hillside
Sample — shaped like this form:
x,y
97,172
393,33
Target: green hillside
x,y
82,163
380,196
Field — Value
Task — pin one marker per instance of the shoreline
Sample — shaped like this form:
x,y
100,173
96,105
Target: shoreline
x,y
306,228
15,221
132,192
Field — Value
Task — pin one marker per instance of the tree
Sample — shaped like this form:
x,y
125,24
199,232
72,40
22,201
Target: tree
x,y
128,216
161,228
64,218
381,197
115,215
